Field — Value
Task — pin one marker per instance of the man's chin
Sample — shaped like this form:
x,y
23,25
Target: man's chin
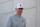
x,y
20,13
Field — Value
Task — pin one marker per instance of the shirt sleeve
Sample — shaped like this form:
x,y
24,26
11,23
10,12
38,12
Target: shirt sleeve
x,y
9,23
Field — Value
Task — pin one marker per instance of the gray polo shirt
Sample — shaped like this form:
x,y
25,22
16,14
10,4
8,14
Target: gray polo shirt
x,y
15,21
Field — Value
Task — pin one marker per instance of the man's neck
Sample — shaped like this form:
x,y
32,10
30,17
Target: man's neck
x,y
18,15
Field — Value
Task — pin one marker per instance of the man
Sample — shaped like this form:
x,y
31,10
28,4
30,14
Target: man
x,y
17,20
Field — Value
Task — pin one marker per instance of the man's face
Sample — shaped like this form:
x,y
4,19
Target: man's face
x,y
19,10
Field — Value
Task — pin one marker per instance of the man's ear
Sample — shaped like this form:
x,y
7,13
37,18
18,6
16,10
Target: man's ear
x,y
16,9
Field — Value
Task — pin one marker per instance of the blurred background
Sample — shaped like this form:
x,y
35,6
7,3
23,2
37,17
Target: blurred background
x,y
31,11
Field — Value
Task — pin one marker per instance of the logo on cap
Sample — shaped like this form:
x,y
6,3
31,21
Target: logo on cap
x,y
20,4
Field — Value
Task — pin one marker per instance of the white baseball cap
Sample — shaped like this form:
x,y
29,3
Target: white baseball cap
x,y
19,5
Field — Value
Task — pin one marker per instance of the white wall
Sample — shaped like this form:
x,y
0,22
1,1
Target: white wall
x,y
38,13
5,11
7,8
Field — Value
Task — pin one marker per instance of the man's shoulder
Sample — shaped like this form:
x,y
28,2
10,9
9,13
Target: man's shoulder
x,y
12,16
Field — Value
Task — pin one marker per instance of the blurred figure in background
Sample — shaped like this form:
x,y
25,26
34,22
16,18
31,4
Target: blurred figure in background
x,y
17,20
